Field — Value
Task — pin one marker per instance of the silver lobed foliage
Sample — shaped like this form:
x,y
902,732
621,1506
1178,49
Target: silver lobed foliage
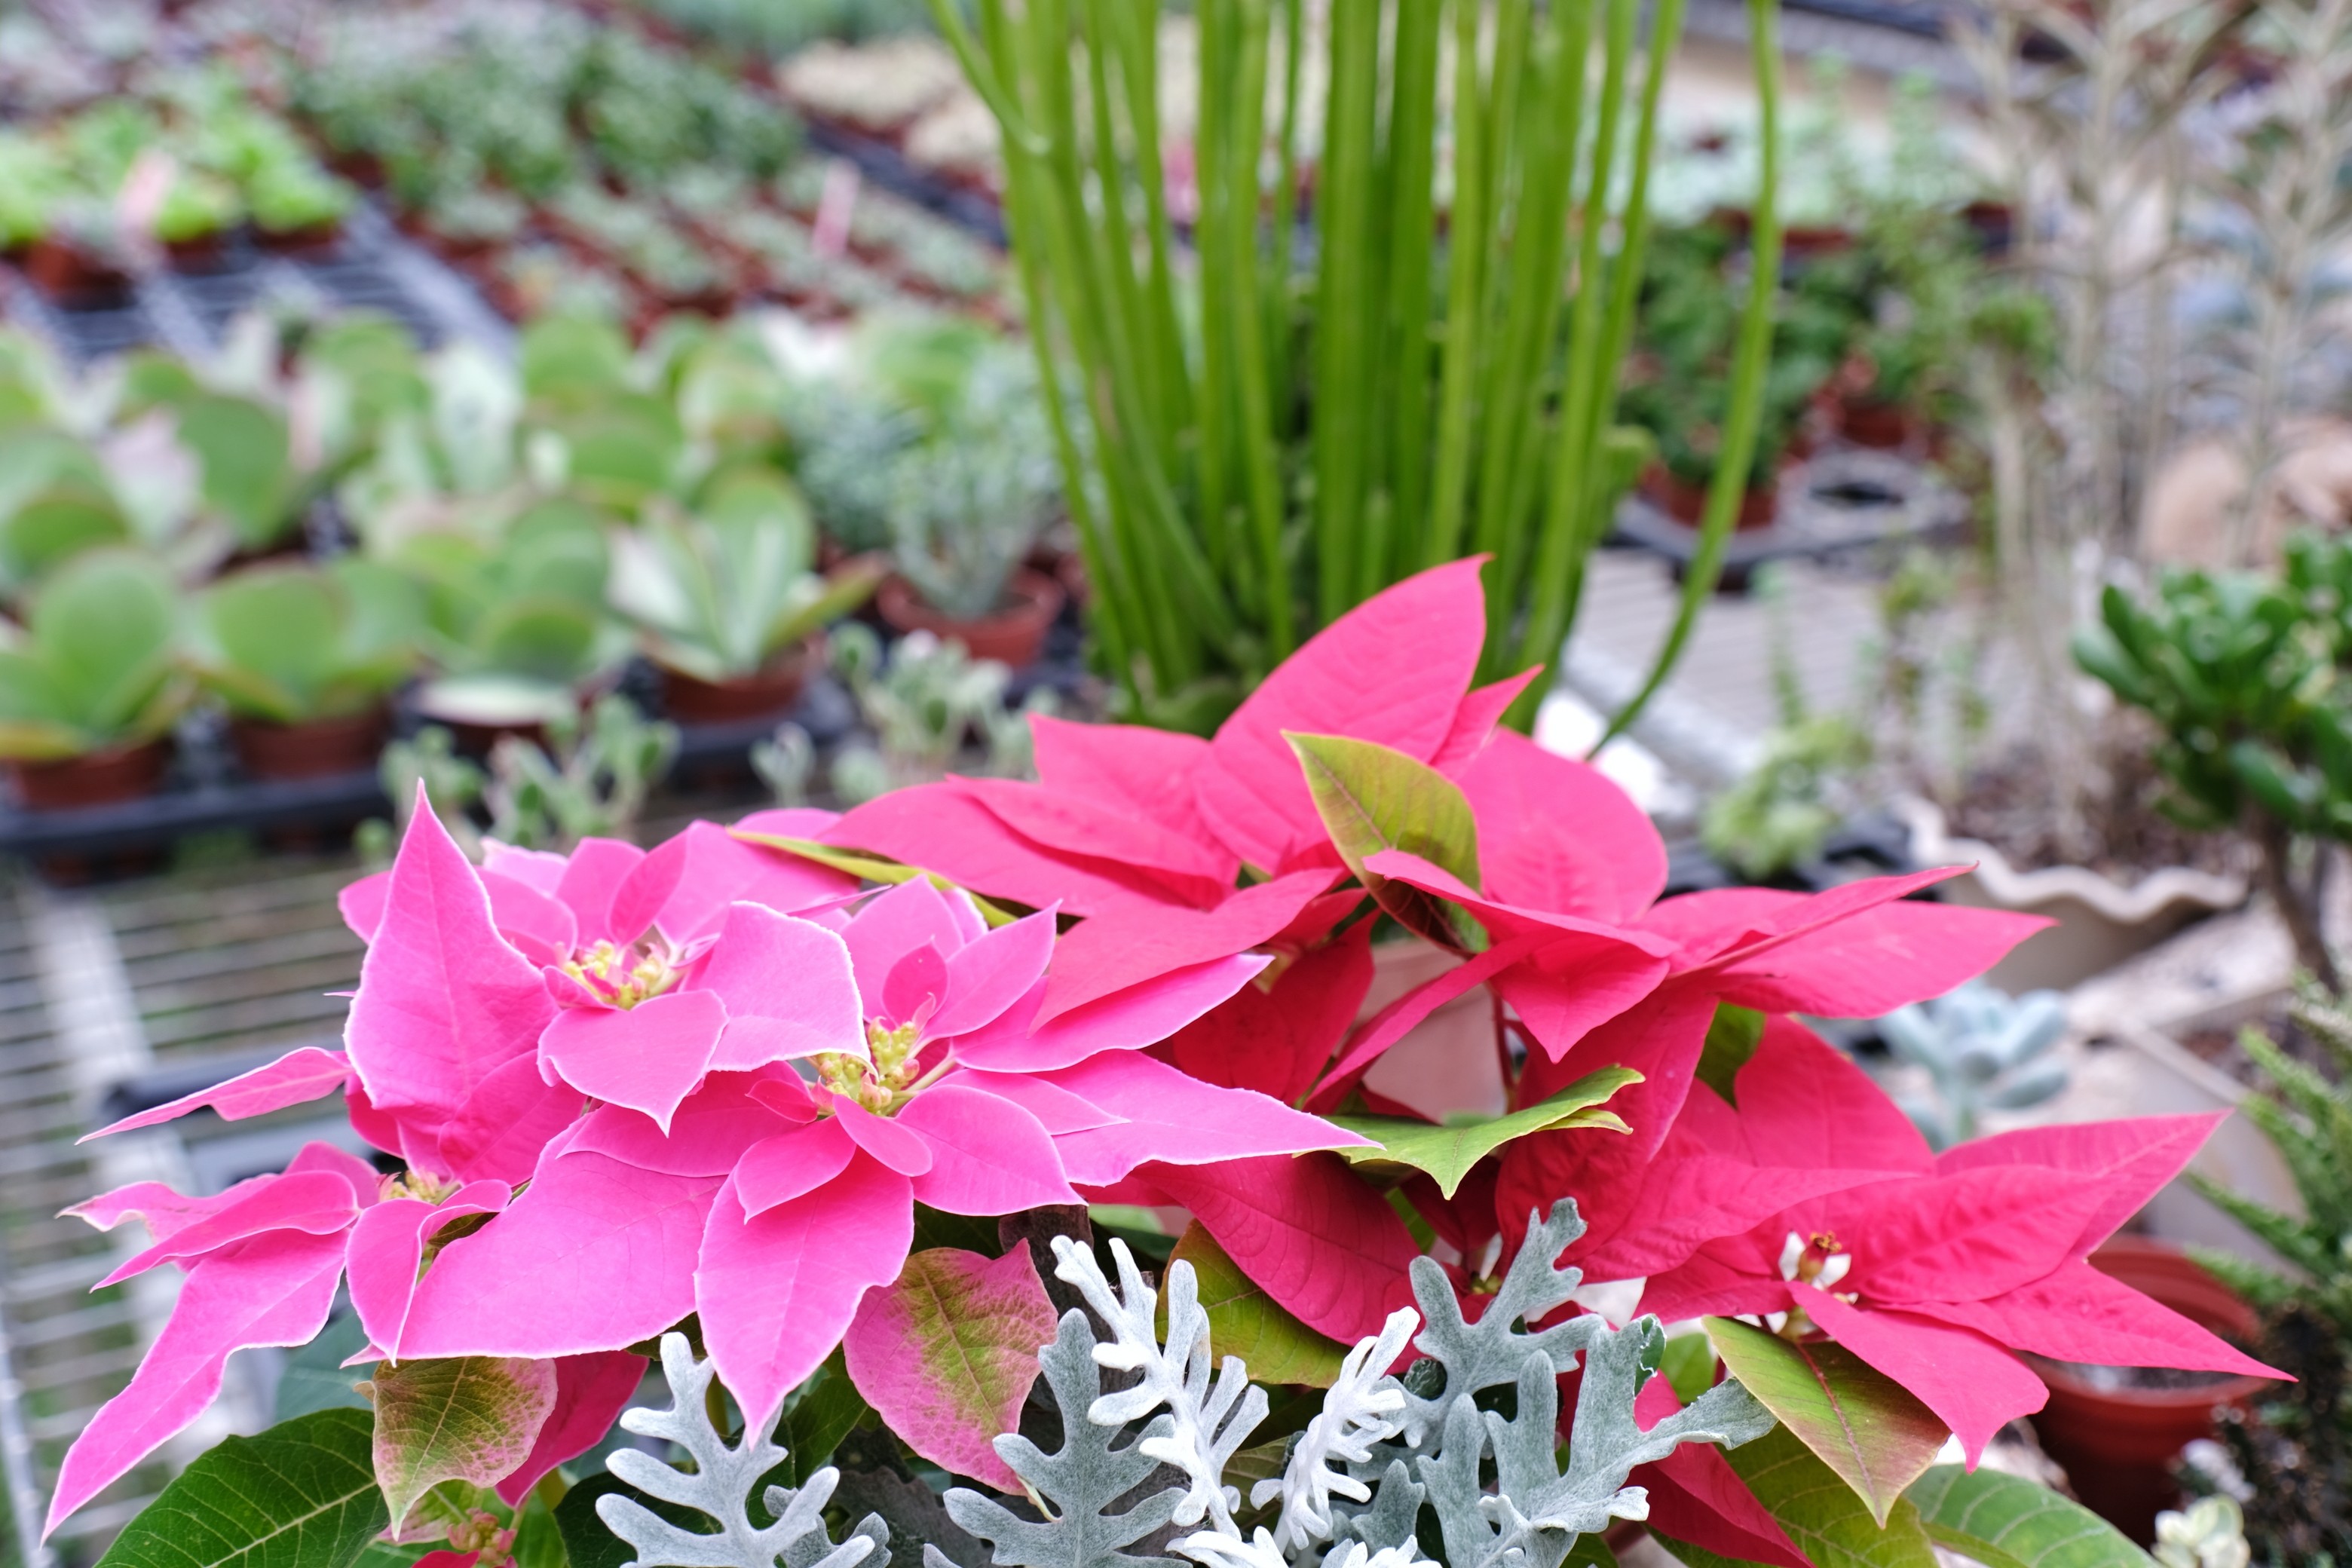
x,y
724,1478
1387,1453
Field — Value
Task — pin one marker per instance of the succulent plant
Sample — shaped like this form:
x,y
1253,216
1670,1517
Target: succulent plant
x,y
515,624
289,644
926,702
97,663
720,593
589,780
1982,1050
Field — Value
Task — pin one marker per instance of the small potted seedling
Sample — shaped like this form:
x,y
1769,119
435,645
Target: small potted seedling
x,y
298,209
305,658
194,218
91,683
726,600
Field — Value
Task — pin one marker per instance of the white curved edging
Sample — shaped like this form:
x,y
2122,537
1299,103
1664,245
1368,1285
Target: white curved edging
x,y
2101,921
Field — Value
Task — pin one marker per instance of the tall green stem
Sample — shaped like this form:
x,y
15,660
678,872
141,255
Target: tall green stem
x,y
1747,367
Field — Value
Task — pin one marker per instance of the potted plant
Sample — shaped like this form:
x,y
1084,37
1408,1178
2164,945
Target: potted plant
x,y
1679,383
966,509
851,1131
516,628
305,658
2245,675
2289,1453
726,600
194,221
942,450
80,260
91,683
297,207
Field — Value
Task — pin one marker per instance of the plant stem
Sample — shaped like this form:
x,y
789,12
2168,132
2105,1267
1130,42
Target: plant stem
x,y
1748,363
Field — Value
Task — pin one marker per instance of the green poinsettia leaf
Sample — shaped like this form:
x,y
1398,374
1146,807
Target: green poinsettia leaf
x,y
463,1418
1823,1515
1373,797
300,1495
871,867
2007,1521
1731,1039
1245,1322
1865,1426
823,1412
1448,1150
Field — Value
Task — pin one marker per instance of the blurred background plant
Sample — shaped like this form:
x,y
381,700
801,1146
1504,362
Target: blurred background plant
x,y
1321,414
1980,1049
2243,675
926,701
2289,1456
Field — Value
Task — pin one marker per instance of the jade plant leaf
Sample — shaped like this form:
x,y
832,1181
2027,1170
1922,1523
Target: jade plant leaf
x,y
1373,797
1448,1150
1865,1426
2007,1521
947,1351
1245,1322
469,1418
300,1495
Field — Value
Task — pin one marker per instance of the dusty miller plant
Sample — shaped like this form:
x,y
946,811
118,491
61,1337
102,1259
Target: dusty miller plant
x,y
1356,1484
725,1479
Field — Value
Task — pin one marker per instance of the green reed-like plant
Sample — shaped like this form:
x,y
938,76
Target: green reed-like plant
x,y
1420,362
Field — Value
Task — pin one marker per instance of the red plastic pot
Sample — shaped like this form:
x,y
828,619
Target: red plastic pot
x,y
1013,635
1687,503
96,778
1883,427
311,242
769,693
74,277
322,748
2117,1445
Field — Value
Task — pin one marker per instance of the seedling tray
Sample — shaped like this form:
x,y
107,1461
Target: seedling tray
x,y
1840,501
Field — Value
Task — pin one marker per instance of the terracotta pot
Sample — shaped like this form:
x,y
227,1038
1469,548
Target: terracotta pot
x,y
1882,426
1687,503
97,778
74,277
347,743
204,253
769,693
1013,635
2117,1444
312,241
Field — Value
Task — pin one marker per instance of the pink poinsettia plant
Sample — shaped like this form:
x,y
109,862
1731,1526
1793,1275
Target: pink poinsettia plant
x,y
733,1084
